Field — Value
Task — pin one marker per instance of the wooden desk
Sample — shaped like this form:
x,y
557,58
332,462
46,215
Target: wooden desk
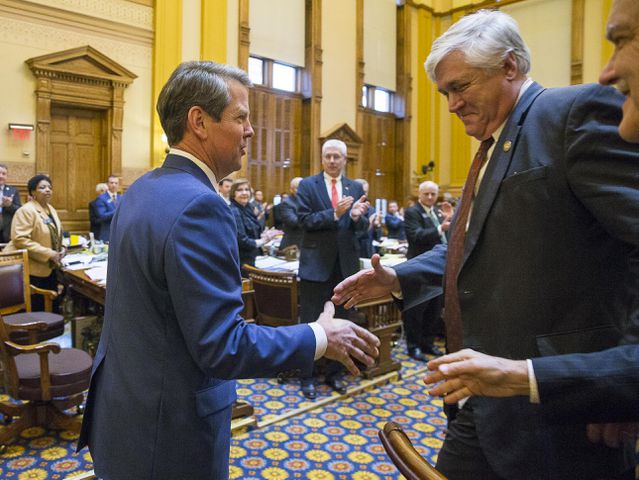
x,y
80,286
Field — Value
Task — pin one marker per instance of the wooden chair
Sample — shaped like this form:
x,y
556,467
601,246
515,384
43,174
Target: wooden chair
x,y
275,296
407,460
48,379
15,301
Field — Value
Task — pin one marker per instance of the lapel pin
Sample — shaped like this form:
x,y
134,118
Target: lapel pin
x,y
507,145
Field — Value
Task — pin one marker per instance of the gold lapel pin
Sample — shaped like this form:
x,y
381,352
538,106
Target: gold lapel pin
x,y
507,145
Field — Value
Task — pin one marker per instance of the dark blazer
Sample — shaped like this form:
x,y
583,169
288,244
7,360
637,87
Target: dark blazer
x,y
7,212
293,232
421,232
550,264
326,240
94,224
105,209
160,400
249,229
395,227
595,387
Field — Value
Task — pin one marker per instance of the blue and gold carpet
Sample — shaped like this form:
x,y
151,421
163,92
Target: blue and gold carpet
x,y
329,438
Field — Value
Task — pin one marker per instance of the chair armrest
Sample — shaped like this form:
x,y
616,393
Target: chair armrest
x,y
39,348
49,296
29,326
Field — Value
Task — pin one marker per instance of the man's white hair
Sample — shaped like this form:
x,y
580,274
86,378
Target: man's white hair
x,y
485,37
334,143
428,184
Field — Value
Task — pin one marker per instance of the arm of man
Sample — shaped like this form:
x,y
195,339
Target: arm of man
x,y
104,214
203,280
243,240
310,217
288,215
15,202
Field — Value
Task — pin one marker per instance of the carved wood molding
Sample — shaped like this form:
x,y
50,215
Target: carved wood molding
x,y
577,42
80,77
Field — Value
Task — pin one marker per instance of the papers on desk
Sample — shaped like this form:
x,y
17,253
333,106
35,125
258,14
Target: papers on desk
x,y
275,264
98,273
388,260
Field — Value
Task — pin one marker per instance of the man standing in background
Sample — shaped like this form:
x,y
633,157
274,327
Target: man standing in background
x,y
9,203
105,206
225,189
332,213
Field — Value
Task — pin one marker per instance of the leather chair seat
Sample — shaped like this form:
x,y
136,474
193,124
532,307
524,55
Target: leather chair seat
x,y
70,372
54,321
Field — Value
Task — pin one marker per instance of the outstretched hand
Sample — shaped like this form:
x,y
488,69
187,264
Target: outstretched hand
x,y
348,342
467,372
365,285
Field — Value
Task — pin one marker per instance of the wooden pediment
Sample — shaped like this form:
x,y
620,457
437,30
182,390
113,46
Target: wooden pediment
x,y
80,64
344,133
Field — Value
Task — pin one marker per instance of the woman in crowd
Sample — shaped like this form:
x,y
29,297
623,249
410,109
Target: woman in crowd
x,y
250,234
37,229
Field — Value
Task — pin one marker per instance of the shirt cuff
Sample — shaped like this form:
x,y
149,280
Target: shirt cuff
x,y
259,243
321,341
532,383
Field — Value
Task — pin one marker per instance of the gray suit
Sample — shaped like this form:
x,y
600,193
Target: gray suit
x,y
551,260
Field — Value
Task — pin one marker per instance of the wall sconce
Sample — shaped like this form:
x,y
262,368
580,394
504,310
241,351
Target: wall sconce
x,y
286,163
379,173
20,131
20,126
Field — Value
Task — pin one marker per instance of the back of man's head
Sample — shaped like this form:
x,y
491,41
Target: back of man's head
x,y
204,84
485,37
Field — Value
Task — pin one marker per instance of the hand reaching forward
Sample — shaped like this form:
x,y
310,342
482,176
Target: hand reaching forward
x,y
367,284
468,372
347,341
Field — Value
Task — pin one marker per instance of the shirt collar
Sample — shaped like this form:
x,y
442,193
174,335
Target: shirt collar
x,y
203,166
329,179
524,86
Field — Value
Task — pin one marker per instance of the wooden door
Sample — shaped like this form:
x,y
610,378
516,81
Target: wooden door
x,y
77,163
379,164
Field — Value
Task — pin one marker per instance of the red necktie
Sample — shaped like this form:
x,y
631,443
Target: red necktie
x,y
334,198
452,310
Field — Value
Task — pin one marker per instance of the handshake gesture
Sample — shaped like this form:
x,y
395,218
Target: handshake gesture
x,y
348,343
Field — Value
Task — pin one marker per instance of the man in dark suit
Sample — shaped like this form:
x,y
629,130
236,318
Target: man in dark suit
x,y
105,206
395,222
426,225
9,203
288,214
549,254
594,387
94,223
160,400
332,211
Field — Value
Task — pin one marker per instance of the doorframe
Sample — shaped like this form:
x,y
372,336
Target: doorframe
x,y
81,78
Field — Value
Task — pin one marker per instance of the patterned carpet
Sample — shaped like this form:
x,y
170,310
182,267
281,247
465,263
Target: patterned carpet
x,y
329,438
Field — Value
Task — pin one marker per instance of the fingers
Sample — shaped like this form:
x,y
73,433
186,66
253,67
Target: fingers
x,y
376,262
329,310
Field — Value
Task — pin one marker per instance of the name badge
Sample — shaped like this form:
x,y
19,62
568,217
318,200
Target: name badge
x,y
47,221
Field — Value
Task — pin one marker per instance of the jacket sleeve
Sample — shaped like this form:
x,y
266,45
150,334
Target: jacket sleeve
x,y
203,280
288,215
102,210
15,203
310,218
420,277
243,240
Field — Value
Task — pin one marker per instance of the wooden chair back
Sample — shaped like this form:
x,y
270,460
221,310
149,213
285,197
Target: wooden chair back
x,y
14,279
276,296
403,454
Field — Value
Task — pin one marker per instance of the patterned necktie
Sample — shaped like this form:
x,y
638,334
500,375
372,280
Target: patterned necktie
x,y
334,198
435,220
452,310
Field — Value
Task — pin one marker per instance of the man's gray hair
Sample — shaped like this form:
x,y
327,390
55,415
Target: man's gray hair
x,y
203,84
334,143
485,37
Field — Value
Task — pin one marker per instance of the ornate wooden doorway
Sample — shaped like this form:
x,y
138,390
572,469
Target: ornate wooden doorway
x,y
78,162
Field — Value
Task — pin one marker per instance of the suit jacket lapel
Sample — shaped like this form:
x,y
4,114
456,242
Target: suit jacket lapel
x,y
497,167
321,189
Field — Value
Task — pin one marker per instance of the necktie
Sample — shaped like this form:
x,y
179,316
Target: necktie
x,y
452,310
435,220
334,198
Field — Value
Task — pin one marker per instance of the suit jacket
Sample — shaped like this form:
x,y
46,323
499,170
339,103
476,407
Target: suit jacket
x,y
249,229
29,231
8,212
421,232
595,387
327,241
293,232
395,227
105,209
550,266
161,394
94,224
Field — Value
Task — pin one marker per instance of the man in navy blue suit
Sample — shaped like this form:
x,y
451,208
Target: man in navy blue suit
x,y
9,203
595,387
161,395
548,261
332,212
105,206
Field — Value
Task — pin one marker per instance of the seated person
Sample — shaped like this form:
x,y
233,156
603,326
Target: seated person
x,y
250,234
